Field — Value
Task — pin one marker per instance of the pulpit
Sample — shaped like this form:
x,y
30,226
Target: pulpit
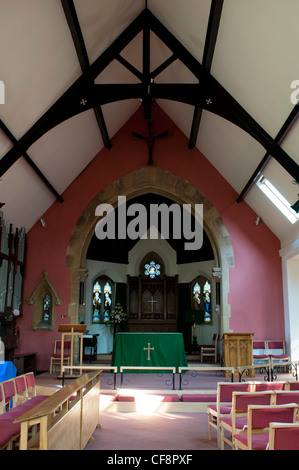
x,y
237,349
71,331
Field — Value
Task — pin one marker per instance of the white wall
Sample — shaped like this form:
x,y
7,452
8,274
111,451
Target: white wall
x,y
290,270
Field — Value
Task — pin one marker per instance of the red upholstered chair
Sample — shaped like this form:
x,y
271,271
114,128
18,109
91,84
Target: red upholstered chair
x,y
209,350
284,436
223,405
31,390
292,385
282,397
9,392
263,386
2,401
30,384
237,421
256,434
55,358
21,389
276,351
259,350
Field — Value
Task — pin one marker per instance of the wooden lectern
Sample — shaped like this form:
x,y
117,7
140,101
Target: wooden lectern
x,y
238,350
72,331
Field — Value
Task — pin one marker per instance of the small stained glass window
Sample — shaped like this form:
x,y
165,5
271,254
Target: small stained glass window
x,y
46,308
152,270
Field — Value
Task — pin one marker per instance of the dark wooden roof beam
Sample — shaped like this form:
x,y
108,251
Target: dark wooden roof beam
x,y
286,163
75,29
14,141
163,66
129,66
210,43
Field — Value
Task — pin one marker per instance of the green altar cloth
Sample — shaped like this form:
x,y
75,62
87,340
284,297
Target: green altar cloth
x,y
149,349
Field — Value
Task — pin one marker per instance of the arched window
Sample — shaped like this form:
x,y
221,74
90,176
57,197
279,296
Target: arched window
x,y
102,302
47,307
201,297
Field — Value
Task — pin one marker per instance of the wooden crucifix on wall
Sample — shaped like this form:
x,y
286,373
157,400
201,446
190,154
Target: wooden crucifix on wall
x,y
150,139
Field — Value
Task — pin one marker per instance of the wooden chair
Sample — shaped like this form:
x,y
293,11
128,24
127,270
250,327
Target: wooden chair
x,y
30,384
21,389
31,393
283,436
223,405
209,350
259,417
2,400
294,385
55,358
9,393
259,350
264,386
237,421
282,397
276,351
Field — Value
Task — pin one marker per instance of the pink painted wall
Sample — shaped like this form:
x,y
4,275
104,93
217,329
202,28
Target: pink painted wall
x,y
255,282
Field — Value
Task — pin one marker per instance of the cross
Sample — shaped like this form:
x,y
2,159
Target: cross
x,y
209,101
83,102
152,301
150,140
148,349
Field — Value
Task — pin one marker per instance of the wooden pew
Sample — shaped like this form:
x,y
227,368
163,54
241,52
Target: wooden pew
x,y
64,423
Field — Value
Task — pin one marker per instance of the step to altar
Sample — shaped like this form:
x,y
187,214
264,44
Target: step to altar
x,y
156,401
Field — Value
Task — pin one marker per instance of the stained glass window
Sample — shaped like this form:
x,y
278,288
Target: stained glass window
x,y
46,308
102,300
97,299
207,301
107,300
201,297
152,269
196,296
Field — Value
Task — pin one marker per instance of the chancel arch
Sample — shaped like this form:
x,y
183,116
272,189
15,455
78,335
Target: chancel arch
x,y
153,181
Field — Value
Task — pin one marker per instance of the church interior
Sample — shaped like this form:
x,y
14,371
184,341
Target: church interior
x,y
149,209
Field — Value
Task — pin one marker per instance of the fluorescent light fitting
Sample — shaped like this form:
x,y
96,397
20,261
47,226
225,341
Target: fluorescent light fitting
x,y
277,199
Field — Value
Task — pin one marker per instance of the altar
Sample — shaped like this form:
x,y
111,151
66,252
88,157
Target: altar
x,y
149,349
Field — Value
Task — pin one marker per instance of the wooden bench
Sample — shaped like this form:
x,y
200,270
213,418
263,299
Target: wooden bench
x,y
61,413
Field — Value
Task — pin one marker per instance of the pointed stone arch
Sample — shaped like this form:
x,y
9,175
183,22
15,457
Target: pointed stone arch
x,y
155,180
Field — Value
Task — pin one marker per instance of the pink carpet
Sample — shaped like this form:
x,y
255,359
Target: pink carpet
x,y
160,431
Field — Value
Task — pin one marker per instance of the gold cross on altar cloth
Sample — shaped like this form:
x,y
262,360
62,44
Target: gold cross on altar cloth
x,y
152,301
148,349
